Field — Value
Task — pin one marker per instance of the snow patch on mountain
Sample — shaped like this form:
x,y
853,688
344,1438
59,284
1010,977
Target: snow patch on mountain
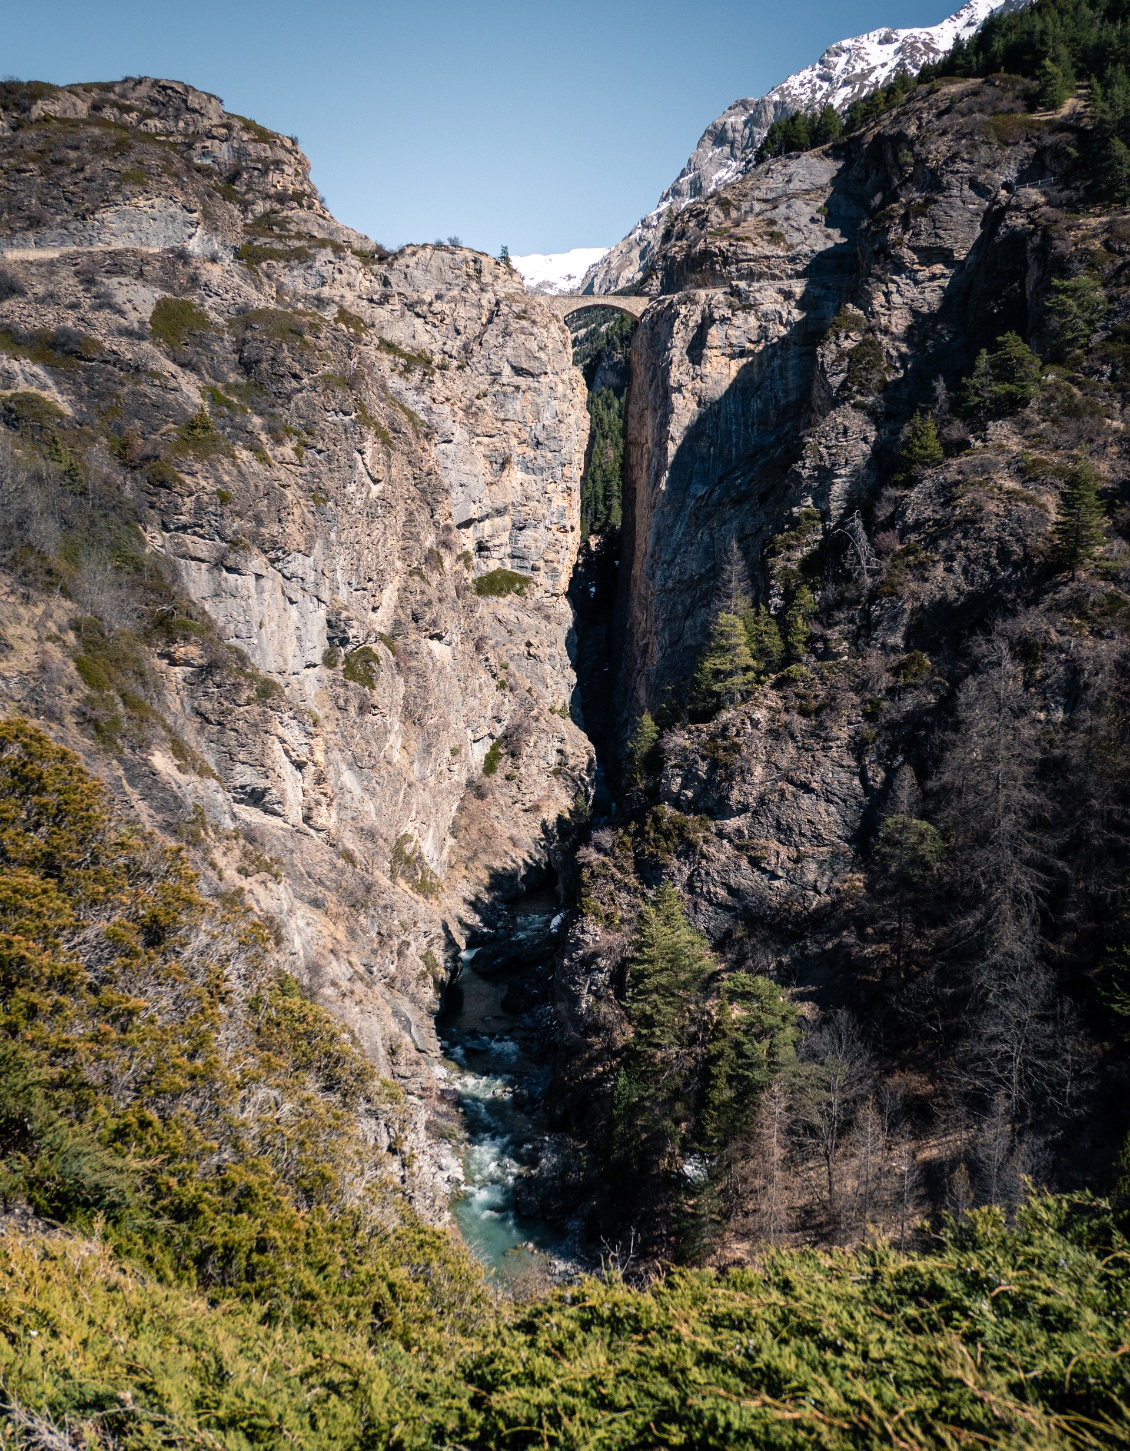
x,y
728,148
555,272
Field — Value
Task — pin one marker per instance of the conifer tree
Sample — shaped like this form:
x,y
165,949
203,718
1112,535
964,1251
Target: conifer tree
x,y
977,390
1002,381
922,449
643,742
751,1042
726,673
1055,83
654,1101
764,640
1076,307
796,633
1079,531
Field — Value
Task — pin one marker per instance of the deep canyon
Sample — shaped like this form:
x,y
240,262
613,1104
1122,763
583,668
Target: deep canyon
x,y
737,859
357,477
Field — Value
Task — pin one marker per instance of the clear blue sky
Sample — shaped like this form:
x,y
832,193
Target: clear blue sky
x,y
541,125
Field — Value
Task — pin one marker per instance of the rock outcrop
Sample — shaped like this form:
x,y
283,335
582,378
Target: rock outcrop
x,y
801,310
326,450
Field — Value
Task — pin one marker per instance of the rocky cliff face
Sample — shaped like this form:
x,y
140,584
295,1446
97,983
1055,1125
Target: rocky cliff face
x,y
792,301
314,451
727,149
804,313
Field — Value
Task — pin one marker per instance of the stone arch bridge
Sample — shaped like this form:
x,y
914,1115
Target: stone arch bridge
x,y
565,303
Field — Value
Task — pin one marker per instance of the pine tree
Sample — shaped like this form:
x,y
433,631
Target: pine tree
x,y
1055,83
1002,381
751,1042
796,633
1109,104
726,673
1079,530
654,1100
1076,308
977,390
922,448
643,742
764,640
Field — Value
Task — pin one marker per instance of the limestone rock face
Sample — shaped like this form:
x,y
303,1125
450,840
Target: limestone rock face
x,y
785,339
327,446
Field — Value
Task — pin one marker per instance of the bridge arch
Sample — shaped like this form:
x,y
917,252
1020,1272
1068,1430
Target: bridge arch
x,y
564,304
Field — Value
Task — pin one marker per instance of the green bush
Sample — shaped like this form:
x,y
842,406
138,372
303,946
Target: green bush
x,y
501,582
150,1049
999,1336
407,863
31,414
199,438
361,666
493,757
176,320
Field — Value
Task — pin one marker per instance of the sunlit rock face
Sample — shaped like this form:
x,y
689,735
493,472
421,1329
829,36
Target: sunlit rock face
x,y
325,452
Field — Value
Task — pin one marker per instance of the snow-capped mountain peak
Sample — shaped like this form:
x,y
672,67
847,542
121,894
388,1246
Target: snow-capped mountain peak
x,y
728,148
555,272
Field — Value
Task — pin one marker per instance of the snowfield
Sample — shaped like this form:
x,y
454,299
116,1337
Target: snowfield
x,y
555,272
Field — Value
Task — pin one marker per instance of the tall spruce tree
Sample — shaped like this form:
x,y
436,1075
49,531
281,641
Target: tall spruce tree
x,y
655,1096
1078,533
727,672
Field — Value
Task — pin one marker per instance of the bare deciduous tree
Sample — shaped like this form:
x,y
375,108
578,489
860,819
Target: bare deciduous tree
x,y
836,1074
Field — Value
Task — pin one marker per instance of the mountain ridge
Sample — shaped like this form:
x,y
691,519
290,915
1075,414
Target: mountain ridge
x,y
727,149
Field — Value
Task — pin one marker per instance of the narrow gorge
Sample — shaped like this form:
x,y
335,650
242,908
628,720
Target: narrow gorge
x,y
646,801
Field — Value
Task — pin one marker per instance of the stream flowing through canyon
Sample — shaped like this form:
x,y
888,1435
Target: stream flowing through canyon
x,y
499,1080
